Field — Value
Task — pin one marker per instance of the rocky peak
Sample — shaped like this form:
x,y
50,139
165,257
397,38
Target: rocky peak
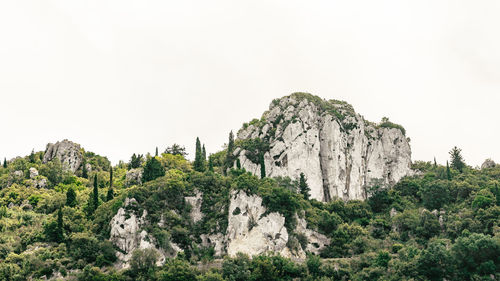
x,y
69,153
340,152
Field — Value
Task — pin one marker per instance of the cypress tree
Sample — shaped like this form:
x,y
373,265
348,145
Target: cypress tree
x,y
60,229
435,163
448,172
71,197
198,162
262,166
229,155
156,153
238,164
111,177
84,169
95,195
32,156
110,194
304,187
5,162
210,164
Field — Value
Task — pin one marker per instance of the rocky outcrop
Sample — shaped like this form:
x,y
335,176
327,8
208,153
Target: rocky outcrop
x,y
488,163
127,234
134,176
33,173
315,241
250,231
69,153
195,202
340,152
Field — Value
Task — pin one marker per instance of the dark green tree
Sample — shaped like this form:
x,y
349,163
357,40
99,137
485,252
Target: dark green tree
x,y
95,196
238,164
32,156
84,169
210,164
153,170
5,162
110,194
229,154
60,227
71,197
156,152
304,187
204,154
262,166
435,163
135,161
457,161
176,149
448,172
198,159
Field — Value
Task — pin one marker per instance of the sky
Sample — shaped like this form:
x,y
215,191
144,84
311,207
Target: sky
x,y
122,77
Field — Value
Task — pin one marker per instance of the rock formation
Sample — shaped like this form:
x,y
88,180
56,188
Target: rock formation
x,y
488,163
340,152
127,234
69,153
134,176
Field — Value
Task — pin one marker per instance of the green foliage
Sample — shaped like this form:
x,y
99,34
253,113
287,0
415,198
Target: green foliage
x,y
304,187
176,149
198,164
71,197
135,161
153,169
457,161
385,123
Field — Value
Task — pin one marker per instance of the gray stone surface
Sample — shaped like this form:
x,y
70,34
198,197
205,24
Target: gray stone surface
x,y
69,153
338,161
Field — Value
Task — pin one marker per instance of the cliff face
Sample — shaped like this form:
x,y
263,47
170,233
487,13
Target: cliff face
x,y
340,153
69,153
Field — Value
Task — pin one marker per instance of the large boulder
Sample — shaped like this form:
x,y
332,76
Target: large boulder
x,y
340,153
69,153
133,177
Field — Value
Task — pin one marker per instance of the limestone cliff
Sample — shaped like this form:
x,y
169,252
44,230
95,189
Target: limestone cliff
x,y
69,153
340,153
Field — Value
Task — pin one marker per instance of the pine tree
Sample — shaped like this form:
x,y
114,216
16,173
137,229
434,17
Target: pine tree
x,y
71,197
95,195
32,156
135,161
304,187
84,169
262,166
60,228
448,172
153,170
457,161
5,163
198,161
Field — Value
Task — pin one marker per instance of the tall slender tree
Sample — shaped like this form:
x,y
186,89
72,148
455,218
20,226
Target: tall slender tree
x,y
262,166
304,187
32,156
228,163
210,164
238,164
156,152
71,197
84,169
5,162
457,161
198,159
435,163
95,195
110,194
448,172
60,227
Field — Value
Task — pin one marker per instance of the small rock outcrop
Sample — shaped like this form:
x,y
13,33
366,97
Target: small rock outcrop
x,y
488,163
133,176
340,153
195,202
252,233
127,234
33,173
69,153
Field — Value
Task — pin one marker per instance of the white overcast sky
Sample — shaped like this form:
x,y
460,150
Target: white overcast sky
x,y
122,76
